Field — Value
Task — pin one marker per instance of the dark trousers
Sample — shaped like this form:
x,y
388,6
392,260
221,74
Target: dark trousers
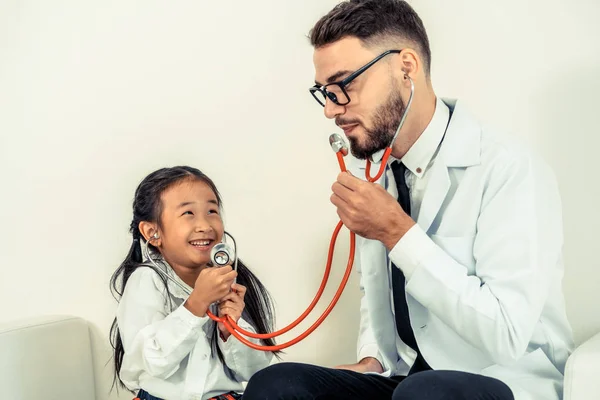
x,y
143,395
287,381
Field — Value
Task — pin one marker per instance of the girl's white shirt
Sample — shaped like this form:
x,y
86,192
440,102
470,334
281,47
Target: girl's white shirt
x,y
167,348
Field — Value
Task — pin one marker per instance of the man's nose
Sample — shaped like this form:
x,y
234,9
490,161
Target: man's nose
x,y
332,110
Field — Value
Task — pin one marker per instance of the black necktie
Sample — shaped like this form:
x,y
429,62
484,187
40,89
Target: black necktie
x,y
398,281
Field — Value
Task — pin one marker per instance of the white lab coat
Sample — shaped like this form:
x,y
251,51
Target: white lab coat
x,y
485,295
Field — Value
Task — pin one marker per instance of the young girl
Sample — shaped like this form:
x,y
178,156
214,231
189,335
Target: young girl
x,y
164,344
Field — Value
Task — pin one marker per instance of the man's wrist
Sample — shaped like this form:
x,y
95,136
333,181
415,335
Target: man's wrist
x,y
371,364
396,229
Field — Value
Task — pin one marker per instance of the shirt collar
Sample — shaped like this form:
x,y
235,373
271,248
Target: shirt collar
x,y
419,156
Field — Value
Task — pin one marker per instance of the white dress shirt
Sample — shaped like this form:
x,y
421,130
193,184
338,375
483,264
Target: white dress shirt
x,y
167,348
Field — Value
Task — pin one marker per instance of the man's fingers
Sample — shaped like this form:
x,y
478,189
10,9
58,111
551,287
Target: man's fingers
x,y
341,191
349,181
337,201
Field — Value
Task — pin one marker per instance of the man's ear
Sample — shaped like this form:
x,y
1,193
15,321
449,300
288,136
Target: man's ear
x,y
410,63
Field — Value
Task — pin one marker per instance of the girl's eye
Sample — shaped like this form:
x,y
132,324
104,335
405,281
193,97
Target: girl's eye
x,y
213,211
188,213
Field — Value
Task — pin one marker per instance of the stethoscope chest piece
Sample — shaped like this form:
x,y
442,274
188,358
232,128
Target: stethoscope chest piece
x,y
222,254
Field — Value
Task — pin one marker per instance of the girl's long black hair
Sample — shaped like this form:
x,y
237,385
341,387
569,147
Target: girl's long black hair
x,y
147,207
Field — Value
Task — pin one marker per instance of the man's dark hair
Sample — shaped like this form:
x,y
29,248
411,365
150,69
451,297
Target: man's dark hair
x,y
375,22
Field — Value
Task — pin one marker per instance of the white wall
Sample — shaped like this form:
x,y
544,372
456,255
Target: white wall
x,y
93,96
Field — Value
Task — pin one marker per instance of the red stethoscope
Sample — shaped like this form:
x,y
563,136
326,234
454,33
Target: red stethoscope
x,y
340,148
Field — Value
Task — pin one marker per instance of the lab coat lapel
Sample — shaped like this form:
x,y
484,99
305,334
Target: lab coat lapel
x,y
460,148
435,193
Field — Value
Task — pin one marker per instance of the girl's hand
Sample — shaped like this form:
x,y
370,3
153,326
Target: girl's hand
x,y
212,284
232,305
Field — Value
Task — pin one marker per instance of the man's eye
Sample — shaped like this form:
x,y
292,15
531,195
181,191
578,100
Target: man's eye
x,y
213,211
188,213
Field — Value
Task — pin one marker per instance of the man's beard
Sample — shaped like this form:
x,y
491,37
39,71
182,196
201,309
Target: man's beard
x,y
386,119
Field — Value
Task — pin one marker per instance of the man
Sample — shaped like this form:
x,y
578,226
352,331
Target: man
x,y
460,239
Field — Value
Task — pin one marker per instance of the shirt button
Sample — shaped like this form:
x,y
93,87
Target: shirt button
x,y
419,170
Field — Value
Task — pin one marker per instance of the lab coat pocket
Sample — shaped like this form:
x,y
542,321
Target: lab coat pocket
x,y
460,248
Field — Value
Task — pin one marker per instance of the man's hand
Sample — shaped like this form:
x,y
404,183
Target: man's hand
x,y
368,364
368,210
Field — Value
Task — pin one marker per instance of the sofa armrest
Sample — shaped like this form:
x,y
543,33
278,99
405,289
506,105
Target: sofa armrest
x,y
581,372
46,358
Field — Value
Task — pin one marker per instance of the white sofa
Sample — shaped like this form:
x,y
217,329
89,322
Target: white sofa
x,y
46,358
581,373
50,358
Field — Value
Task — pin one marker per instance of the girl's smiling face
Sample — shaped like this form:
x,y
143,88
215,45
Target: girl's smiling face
x,y
190,224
